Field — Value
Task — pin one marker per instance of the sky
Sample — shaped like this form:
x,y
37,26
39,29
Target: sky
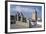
x,y
26,10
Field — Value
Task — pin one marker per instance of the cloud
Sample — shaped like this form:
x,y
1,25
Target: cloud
x,y
18,8
24,9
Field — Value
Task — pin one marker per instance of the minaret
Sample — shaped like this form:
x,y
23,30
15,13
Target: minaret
x,y
22,16
17,16
34,15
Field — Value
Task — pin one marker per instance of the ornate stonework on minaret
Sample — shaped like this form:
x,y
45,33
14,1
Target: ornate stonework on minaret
x,y
17,16
21,16
34,15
